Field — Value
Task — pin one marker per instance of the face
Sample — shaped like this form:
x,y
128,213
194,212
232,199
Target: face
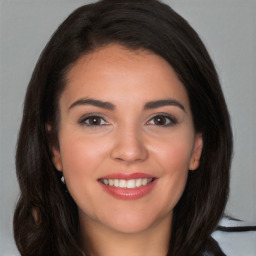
x,y
126,139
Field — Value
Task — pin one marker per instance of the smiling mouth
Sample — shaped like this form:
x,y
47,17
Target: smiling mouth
x,y
130,183
128,186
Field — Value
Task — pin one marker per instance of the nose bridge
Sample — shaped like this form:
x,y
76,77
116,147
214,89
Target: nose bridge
x,y
129,144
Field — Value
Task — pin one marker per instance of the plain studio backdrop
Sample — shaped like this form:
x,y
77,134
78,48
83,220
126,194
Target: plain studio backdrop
x,y
228,29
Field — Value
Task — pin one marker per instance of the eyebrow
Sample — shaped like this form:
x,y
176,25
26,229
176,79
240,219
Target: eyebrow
x,y
93,102
163,103
110,106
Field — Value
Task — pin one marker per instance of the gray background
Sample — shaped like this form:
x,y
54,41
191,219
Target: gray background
x,y
228,28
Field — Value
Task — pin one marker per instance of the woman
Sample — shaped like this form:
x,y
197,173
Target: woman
x,y
125,143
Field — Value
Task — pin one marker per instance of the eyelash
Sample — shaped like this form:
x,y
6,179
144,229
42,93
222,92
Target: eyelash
x,y
85,120
168,119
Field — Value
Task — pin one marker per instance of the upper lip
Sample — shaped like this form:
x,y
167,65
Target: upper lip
x,y
128,176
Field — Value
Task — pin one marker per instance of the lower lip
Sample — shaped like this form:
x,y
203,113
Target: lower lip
x,y
129,193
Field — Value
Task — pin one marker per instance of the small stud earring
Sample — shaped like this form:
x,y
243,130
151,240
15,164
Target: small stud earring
x,y
63,179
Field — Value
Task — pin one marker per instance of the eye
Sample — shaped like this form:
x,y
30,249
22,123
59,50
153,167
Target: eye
x,y
93,121
162,120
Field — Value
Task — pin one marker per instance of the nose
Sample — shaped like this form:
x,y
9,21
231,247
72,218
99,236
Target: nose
x,y
129,146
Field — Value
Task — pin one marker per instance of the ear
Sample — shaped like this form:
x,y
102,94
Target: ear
x,y
197,151
56,156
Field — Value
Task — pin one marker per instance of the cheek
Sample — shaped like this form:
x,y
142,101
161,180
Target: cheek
x,y
174,153
175,163
81,156
173,156
177,158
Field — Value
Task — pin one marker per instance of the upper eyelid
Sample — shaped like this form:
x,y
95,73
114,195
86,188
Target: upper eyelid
x,y
172,118
94,114
105,118
86,116
163,114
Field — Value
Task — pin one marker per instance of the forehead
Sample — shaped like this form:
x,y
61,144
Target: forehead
x,y
115,72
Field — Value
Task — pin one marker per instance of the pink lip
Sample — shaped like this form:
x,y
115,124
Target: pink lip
x,y
128,193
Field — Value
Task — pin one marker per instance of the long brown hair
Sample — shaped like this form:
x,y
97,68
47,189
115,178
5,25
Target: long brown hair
x,y
142,24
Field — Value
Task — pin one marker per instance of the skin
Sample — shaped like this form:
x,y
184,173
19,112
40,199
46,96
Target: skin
x,y
126,139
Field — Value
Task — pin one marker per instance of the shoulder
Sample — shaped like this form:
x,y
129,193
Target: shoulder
x,y
238,242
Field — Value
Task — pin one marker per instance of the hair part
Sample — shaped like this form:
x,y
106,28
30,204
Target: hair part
x,y
135,25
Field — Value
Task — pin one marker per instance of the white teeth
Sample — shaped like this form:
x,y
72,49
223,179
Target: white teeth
x,y
110,182
133,183
116,183
138,182
122,183
144,182
105,181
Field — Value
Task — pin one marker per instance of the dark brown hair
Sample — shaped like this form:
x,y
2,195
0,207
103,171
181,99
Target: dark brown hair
x,y
136,25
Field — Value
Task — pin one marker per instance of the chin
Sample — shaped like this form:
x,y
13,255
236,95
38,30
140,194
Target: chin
x,y
131,223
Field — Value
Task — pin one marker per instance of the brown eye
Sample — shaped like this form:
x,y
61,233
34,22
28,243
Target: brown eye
x,y
93,121
160,120
163,120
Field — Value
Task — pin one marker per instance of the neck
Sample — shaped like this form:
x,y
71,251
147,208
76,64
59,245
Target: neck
x,y
99,240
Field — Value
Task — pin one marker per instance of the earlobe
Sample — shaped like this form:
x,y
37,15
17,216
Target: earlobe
x,y
197,151
56,157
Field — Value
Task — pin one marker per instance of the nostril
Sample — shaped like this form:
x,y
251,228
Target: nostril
x,y
128,149
119,159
